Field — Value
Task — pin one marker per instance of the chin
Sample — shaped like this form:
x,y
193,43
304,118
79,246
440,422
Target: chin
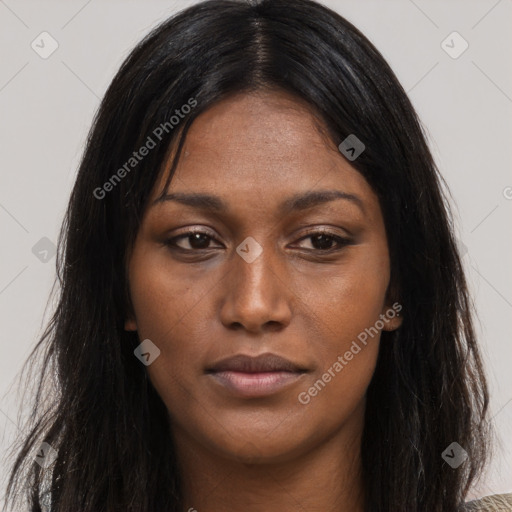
x,y
259,447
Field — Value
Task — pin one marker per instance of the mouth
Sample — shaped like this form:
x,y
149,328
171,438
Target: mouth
x,y
253,377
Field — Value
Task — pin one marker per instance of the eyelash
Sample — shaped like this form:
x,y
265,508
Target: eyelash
x,y
341,241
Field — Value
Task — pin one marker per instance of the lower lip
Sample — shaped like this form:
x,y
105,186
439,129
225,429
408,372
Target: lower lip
x,y
256,384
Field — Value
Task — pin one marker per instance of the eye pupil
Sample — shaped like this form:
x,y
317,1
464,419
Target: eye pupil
x,y
199,240
325,241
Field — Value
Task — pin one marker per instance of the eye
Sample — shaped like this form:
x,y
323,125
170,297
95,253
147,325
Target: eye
x,y
196,240
322,241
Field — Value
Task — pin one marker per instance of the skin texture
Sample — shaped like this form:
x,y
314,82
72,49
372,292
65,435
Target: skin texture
x,y
270,453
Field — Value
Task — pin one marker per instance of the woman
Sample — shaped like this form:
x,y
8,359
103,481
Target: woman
x,y
262,305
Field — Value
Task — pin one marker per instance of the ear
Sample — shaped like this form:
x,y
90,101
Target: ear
x,y
130,324
392,314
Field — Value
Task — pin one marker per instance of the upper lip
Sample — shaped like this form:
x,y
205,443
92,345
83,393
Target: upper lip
x,y
261,363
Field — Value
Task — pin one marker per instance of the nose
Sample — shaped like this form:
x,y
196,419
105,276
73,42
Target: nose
x,y
258,297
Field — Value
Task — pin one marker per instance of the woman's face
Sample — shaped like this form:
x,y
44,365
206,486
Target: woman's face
x,y
261,279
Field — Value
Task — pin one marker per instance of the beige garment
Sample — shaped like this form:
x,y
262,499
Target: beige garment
x,y
494,503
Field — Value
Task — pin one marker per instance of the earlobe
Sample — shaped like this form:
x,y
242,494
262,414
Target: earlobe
x,y
392,317
393,325
130,325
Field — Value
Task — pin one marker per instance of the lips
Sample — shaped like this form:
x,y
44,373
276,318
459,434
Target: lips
x,y
261,363
251,377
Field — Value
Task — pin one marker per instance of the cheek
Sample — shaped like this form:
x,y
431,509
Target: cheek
x,y
344,309
347,299
346,346
165,306
161,297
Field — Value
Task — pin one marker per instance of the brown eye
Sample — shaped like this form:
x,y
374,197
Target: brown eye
x,y
196,240
323,241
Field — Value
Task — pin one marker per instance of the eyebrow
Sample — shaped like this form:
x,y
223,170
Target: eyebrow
x,y
297,202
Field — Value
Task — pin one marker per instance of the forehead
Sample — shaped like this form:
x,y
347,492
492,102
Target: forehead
x,y
261,146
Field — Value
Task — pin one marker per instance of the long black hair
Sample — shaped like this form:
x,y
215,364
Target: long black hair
x,y
95,405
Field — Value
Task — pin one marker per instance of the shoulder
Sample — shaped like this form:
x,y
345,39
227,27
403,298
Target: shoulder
x,y
494,503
